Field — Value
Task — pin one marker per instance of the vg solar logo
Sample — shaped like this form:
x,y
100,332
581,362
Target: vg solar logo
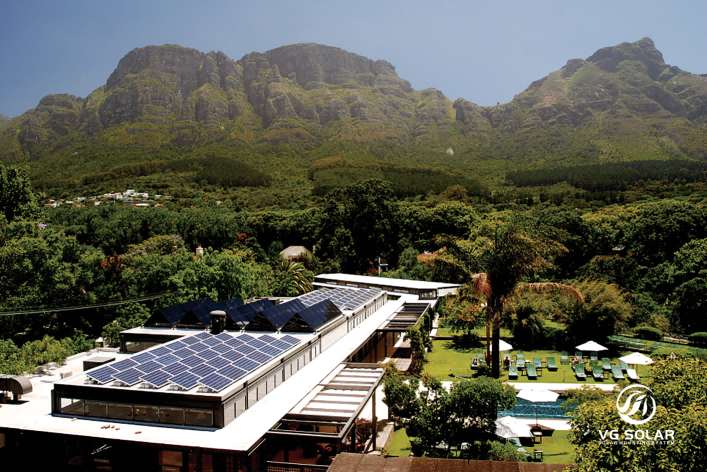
x,y
636,400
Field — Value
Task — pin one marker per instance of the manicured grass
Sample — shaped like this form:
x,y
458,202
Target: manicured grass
x,y
400,445
446,356
556,449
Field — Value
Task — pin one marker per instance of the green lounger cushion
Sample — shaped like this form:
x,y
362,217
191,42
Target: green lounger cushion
x,y
532,374
579,371
520,363
564,360
512,372
597,374
537,362
605,363
616,372
551,363
623,365
578,354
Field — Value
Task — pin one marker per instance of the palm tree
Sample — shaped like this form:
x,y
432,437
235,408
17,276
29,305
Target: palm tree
x,y
296,272
495,264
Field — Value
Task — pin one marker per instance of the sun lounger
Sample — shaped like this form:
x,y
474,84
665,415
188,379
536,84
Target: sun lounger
x,y
474,365
537,362
632,375
512,372
579,372
578,354
520,364
551,363
564,360
594,359
616,373
530,369
623,365
597,374
520,357
605,363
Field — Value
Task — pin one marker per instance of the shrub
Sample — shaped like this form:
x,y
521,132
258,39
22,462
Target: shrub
x,y
646,332
699,339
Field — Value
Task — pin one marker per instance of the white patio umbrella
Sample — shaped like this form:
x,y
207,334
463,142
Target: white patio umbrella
x,y
509,427
636,358
537,395
591,346
503,346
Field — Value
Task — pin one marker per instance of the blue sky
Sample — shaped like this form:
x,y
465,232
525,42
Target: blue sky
x,y
485,52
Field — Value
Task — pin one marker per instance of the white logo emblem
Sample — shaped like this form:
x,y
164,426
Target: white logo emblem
x,y
635,399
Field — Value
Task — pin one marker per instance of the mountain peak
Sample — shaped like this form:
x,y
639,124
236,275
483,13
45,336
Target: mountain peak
x,y
642,50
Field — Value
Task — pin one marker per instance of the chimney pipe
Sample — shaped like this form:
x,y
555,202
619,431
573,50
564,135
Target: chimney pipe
x,y
218,321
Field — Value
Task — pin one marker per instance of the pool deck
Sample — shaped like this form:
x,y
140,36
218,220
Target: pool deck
x,y
558,387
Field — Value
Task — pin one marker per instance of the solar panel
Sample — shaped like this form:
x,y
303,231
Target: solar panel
x,y
125,364
175,345
129,377
232,356
202,370
198,347
244,349
281,345
267,339
218,362
244,338
160,351
102,375
149,366
232,372
143,357
185,380
291,340
215,382
184,353
222,348
260,357
176,368
168,359
158,378
246,364
257,343
272,350
190,340
233,342
223,337
208,354
192,361
203,335
211,342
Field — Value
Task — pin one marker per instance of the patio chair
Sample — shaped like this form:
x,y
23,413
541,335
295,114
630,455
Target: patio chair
x,y
551,363
594,358
520,364
623,365
520,357
605,363
578,354
537,362
616,373
564,360
632,375
530,369
597,374
512,372
579,372
475,365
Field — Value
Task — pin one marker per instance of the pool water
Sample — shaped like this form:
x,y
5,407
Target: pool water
x,y
526,409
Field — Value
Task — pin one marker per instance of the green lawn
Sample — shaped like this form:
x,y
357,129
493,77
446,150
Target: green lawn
x,y
556,449
446,362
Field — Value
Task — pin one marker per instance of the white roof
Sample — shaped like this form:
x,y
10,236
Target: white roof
x,y
239,435
365,279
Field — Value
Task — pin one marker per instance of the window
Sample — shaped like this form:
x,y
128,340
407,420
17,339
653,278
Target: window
x,y
96,409
172,415
146,413
198,417
70,406
240,404
119,411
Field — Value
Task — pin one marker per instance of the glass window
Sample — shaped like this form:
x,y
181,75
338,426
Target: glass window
x,y
171,415
146,413
199,417
71,406
173,458
240,404
120,411
96,409
252,396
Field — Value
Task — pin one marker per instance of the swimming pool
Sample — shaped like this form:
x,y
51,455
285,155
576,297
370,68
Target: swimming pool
x,y
526,409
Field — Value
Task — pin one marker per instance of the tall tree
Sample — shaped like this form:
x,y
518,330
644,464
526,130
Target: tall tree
x,y
495,261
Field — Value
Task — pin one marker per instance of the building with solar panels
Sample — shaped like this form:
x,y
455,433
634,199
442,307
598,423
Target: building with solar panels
x,y
421,289
253,387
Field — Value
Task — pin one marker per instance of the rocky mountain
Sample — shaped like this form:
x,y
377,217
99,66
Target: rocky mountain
x,y
622,102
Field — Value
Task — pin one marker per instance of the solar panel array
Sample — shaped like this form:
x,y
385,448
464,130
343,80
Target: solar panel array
x,y
343,299
203,359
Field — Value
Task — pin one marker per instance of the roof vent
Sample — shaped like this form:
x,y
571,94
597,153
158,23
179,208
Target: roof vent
x,y
18,385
